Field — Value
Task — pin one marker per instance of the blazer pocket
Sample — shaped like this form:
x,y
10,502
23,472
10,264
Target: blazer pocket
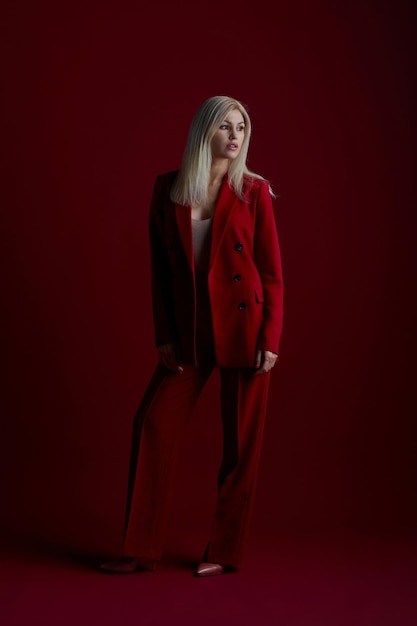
x,y
259,293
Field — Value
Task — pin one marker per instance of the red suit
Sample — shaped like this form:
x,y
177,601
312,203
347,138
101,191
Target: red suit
x,y
241,303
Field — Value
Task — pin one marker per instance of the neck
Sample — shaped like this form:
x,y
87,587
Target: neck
x,y
218,169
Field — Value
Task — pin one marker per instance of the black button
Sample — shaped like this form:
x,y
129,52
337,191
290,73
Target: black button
x,y
242,306
239,246
237,278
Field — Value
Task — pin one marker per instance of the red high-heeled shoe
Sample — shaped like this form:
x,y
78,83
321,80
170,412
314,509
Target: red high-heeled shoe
x,y
128,565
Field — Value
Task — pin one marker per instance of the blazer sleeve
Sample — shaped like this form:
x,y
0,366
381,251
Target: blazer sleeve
x,y
268,262
161,275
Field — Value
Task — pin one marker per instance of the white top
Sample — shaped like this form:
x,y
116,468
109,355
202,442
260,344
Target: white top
x,y
201,243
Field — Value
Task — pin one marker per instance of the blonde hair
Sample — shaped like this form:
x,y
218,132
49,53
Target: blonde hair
x,y
191,184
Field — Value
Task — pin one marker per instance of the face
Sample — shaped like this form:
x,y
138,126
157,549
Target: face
x,y
228,138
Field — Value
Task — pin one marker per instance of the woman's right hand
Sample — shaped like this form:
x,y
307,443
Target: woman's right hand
x,y
168,357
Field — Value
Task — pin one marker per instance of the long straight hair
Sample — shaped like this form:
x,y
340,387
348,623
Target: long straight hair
x,y
191,184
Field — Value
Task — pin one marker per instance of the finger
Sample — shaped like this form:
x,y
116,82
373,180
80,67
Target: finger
x,y
180,368
165,357
269,362
173,362
266,366
168,358
271,358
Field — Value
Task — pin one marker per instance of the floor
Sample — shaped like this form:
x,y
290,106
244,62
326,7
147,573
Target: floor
x,y
305,580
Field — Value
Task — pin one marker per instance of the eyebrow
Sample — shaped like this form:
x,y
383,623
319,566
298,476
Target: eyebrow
x,y
237,123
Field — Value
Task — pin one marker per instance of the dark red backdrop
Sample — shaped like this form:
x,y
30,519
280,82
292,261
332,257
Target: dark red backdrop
x,y
98,99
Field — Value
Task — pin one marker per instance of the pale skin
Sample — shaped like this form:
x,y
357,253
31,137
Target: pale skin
x,y
225,146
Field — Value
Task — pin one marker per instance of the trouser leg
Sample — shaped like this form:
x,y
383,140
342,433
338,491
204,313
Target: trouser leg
x,y
243,403
156,443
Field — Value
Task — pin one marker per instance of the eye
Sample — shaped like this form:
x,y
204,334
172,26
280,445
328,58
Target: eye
x,y
240,128
224,127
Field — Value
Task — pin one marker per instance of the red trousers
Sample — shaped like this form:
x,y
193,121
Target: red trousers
x,y
157,437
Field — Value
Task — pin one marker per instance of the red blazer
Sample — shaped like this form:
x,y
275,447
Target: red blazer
x,y
245,277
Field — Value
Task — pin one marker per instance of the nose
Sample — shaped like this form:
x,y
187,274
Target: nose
x,y
232,133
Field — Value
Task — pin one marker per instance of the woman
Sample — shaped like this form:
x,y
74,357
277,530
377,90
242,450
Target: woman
x,y
217,302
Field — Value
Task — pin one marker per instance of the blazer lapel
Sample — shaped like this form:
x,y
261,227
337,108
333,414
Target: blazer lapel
x,y
183,217
226,203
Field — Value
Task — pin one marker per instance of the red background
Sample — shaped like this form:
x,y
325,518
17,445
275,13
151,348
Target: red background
x,y
98,100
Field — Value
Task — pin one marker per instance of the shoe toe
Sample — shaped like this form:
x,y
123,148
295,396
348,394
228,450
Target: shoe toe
x,y
209,569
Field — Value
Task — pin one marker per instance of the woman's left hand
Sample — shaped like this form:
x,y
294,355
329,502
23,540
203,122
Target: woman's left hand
x,y
265,361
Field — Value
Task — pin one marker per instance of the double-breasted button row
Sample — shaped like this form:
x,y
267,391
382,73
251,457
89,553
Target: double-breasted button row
x,y
239,247
237,277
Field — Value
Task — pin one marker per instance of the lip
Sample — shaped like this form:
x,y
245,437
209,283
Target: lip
x,y
232,146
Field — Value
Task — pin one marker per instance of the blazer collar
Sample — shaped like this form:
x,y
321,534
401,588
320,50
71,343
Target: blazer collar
x,y
225,205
